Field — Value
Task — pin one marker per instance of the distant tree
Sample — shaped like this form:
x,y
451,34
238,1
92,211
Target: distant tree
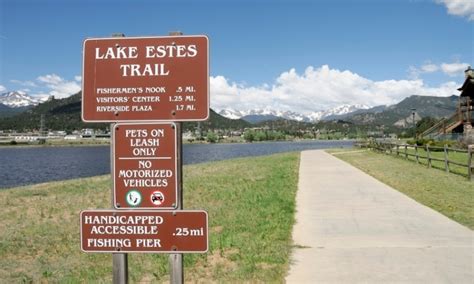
x,y
421,126
425,123
260,136
212,137
249,135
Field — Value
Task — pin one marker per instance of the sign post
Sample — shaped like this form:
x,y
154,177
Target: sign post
x,y
119,260
176,259
147,86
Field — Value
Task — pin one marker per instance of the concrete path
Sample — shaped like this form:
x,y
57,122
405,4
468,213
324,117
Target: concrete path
x,y
352,228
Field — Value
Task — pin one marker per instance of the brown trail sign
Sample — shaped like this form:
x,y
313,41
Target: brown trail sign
x,y
146,79
183,231
145,166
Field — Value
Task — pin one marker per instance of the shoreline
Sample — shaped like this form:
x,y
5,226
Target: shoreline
x,y
107,143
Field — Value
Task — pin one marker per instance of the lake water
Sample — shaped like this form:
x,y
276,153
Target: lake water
x,y
21,166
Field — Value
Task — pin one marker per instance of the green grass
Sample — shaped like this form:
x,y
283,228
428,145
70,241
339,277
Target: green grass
x,y
251,204
449,194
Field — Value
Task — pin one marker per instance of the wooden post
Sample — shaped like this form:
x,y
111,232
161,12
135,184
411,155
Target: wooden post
x,y
446,158
428,156
416,154
119,260
120,268
176,259
406,153
398,150
469,162
468,111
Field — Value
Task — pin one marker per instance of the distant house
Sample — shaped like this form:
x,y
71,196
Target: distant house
x,y
87,133
466,99
460,123
188,135
71,137
465,109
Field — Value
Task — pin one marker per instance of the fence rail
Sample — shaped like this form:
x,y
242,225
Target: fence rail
x,y
448,157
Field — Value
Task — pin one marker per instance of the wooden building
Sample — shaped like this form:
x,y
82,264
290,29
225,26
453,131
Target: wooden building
x,y
466,102
466,99
461,121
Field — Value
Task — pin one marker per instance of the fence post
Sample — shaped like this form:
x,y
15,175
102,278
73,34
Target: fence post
x,y
416,154
406,153
428,156
398,150
446,159
469,162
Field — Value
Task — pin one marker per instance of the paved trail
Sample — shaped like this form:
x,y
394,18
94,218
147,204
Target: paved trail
x,y
355,229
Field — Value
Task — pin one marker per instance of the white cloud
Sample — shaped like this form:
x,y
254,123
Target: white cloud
x,y
450,69
78,78
24,83
2,88
51,79
319,89
41,96
415,72
454,69
57,86
429,68
462,8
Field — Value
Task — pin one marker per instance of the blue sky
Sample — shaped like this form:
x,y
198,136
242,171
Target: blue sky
x,y
289,55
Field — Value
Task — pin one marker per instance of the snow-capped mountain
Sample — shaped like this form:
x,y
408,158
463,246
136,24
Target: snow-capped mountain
x,y
18,99
269,114
341,111
231,113
257,115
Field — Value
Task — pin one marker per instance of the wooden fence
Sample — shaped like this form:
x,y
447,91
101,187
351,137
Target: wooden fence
x,y
428,154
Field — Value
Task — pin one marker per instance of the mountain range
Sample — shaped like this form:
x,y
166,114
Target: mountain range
x,y
398,114
259,115
12,103
64,114
419,106
18,99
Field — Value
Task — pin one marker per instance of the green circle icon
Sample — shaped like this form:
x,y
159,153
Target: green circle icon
x,y
133,198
